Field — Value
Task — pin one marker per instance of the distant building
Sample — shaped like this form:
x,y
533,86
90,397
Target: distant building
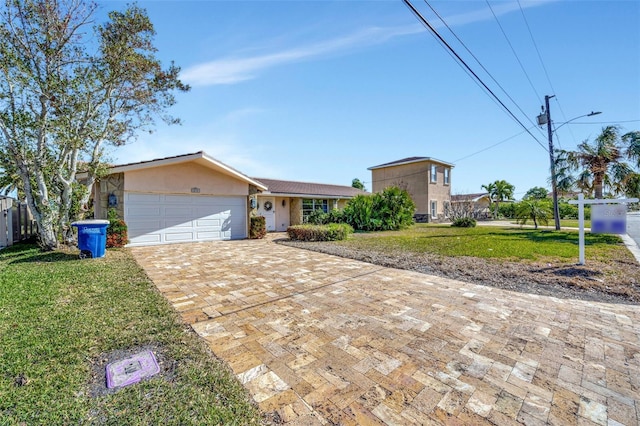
x,y
426,179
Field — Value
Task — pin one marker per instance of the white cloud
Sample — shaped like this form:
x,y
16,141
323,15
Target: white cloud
x,y
232,70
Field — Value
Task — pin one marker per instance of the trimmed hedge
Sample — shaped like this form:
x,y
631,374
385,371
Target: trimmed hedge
x,y
258,227
330,232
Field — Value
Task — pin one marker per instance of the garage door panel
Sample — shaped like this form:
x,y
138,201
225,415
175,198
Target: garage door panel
x,y
162,219
175,199
211,235
136,198
209,223
144,211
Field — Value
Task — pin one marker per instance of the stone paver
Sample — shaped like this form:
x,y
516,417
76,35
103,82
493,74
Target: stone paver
x,y
323,340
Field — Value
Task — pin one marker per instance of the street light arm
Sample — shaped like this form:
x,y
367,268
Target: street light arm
x,y
592,113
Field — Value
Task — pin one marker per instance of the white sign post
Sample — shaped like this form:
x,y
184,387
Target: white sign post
x,y
610,217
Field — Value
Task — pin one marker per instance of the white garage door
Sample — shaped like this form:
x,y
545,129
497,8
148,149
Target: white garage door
x,y
164,219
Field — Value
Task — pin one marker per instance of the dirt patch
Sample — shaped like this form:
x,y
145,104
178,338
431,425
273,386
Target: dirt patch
x,y
98,384
613,281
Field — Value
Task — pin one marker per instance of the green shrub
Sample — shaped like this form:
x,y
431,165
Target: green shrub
x,y
464,222
317,217
568,211
330,232
117,231
257,227
507,210
391,209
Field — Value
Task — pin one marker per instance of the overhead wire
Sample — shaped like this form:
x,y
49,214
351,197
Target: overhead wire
x,y
546,73
480,63
513,50
443,42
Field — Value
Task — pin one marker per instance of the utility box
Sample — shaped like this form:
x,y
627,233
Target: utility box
x,y
92,237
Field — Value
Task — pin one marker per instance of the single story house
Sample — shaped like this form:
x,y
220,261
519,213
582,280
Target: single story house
x,y
194,197
287,203
426,179
475,205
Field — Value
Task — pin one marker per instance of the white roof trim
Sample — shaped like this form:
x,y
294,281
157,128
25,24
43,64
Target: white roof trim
x,y
187,158
420,160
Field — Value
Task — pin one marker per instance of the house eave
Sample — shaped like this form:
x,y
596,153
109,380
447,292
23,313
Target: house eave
x,y
420,160
296,195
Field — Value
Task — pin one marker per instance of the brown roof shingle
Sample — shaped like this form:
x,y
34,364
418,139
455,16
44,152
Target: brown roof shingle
x,y
289,187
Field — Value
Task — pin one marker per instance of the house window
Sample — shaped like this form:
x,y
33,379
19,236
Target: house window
x,y
309,205
447,207
446,176
434,209
434,177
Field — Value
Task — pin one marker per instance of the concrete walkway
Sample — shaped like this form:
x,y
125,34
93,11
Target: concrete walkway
x,y
318,339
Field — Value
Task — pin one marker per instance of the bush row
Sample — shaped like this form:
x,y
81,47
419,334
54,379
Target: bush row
x,y
329,232
567,211
391,209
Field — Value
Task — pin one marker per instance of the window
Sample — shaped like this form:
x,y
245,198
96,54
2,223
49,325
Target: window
x,y
434,177
434,209
309,205
446,176
447,208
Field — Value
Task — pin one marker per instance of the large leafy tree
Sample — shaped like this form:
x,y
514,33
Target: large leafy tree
x,y
608,165
68,91
536,193
499,191
357,183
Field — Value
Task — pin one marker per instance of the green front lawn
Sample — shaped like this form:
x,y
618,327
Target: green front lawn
x,y
512,243
60,317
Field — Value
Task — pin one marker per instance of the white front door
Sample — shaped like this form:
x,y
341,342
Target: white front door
x,y
268,210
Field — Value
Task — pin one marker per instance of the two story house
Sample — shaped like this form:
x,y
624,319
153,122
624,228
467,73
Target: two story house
x,y
426,179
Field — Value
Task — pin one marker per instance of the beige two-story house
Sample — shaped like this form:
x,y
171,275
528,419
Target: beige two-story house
x,y
426,179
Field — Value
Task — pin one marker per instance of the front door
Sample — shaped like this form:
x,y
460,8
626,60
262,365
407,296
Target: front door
x,y
267,209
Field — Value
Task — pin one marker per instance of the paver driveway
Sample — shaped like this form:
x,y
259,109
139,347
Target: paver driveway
x,y
319,339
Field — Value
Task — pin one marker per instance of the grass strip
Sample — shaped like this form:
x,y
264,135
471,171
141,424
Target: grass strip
x,y
59,316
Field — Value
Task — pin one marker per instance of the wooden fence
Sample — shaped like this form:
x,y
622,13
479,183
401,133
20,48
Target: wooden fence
x,y
16,223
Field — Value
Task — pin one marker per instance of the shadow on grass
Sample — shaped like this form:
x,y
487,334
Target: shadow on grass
x,y
30,253
515,234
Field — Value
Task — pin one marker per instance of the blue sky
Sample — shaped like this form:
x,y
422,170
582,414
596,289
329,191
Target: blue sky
x,y
320,90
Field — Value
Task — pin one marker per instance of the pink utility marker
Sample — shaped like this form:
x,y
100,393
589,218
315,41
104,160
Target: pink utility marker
x,y
132,369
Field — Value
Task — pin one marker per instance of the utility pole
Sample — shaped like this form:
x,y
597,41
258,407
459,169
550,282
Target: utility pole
x,y
552,160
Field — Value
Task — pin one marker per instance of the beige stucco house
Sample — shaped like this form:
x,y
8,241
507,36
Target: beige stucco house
x,y
287,203
426,179
476,205
194,197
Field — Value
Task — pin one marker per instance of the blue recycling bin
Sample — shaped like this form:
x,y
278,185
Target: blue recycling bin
x,y
92,237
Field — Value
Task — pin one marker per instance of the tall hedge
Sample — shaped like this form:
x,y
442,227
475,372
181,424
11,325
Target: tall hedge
x,y
391,209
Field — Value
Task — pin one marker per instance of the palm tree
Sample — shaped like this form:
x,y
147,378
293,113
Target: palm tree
x,y
499,191
600,164
536,210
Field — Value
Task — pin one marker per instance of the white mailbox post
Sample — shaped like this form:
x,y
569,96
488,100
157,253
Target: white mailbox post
x,y
610,217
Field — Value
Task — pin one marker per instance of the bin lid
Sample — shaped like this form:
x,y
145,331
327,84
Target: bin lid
x,y
90,222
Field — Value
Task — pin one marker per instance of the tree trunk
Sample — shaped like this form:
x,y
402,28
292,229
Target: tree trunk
x,y
46,231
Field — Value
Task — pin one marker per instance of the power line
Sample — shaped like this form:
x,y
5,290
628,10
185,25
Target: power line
x,y
489,147
479,63
546,73
444,42
514,51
